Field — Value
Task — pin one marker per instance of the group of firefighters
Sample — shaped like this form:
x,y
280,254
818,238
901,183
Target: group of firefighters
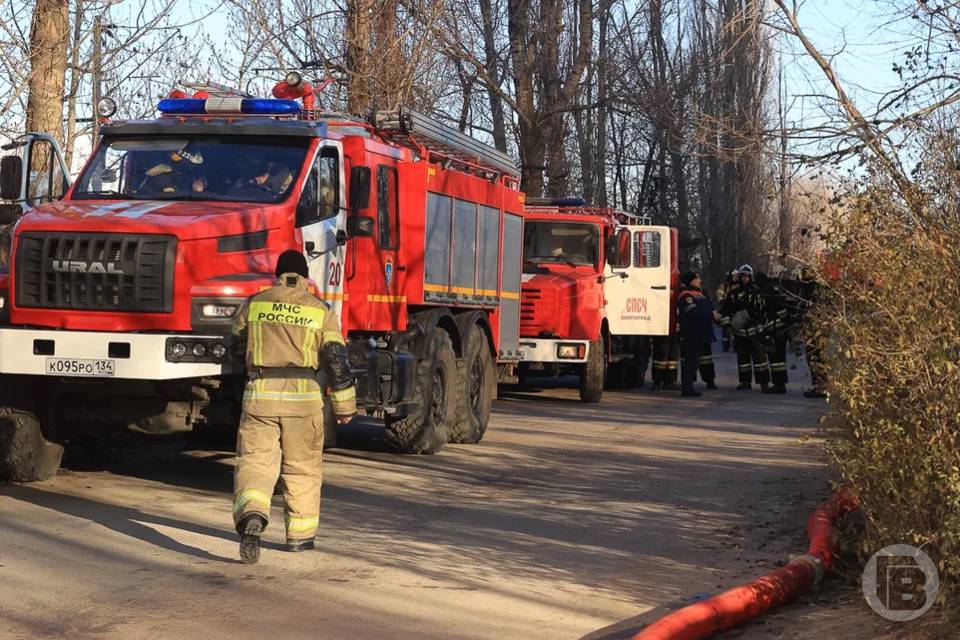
x,y
757,314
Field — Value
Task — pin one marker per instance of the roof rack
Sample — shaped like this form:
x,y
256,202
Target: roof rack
x,y
438,138
215,89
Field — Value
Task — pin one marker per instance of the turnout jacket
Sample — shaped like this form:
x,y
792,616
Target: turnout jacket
x,y
747,299
290,334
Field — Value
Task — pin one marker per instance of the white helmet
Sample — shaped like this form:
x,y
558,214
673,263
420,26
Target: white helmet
x,y
745,270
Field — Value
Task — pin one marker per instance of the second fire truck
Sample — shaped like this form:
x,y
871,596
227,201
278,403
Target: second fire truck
x,y
122,288
596,284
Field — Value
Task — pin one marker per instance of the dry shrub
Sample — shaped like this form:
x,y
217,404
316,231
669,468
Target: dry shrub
x,y
891,327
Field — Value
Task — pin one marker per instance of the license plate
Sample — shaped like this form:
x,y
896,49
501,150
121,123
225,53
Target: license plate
x,y
80,367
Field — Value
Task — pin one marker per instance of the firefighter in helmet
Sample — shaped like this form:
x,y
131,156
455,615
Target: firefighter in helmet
x,y
743,312
775,332
288,335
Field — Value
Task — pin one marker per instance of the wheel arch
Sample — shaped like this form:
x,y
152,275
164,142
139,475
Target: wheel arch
x,y
441,318
466,320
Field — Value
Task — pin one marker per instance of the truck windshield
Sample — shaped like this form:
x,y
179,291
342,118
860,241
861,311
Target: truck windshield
x,y
567,243
233,169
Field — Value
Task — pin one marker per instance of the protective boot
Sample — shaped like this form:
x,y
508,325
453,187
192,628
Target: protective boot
x,y
743,386
250,529
712,386
296,546
775,389
814,393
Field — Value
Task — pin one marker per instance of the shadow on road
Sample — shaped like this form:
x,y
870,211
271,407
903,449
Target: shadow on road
x,y
124,520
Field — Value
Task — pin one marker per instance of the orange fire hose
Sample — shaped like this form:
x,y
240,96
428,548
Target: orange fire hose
x,y
741,604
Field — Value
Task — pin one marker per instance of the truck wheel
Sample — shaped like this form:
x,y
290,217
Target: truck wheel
x,y
25,455
477,388
594,372
427,427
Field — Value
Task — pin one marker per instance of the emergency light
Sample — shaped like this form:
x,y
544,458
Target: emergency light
x,y
228,106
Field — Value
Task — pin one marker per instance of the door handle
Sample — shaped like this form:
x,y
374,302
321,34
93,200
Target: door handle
x,y
659,287
310,248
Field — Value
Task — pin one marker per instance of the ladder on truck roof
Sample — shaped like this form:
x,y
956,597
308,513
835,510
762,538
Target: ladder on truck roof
x,y
438,138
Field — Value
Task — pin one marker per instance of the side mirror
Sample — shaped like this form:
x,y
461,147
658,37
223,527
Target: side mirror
x,y
359,188
359,226
341,237
11,175
108,175
9,213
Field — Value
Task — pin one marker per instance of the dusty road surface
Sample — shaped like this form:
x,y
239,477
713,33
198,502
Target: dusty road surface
x,y
569,520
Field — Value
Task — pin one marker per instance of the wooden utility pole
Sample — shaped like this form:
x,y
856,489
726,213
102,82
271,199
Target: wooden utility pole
x,y
784,218
97,69
49,35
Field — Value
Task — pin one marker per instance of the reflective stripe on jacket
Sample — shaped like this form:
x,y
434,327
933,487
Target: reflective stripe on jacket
x,y
286,327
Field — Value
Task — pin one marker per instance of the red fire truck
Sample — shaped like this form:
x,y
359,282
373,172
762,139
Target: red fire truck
x,y
596,283
122,288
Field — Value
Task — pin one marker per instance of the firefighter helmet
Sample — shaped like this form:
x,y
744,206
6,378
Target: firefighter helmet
x,y
745,270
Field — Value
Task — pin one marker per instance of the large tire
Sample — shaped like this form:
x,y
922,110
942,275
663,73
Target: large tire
x,y
426,429
25,455
594,372
477,386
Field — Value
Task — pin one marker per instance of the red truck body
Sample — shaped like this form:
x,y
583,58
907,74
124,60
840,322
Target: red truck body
x,y
412,232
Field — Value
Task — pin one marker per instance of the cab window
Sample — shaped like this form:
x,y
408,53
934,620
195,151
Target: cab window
x,y
45,181
620,255
320,198
646,249
387,208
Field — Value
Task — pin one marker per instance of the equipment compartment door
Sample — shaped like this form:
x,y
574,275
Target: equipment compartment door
x,y
637,288
321,217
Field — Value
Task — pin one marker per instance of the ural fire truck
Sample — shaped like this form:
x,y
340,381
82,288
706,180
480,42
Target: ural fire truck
x,y
596,284
123,287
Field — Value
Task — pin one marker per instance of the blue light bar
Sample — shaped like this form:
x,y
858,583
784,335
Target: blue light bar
x,y
228,106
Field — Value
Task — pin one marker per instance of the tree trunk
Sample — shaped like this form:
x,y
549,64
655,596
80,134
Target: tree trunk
x,y
49,36
359,40
492,66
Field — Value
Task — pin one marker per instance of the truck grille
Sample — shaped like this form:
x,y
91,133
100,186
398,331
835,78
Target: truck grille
x,y
95,271
529,318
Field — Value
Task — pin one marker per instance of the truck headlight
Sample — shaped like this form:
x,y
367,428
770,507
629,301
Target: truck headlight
x,y
212,310
3,299
570,351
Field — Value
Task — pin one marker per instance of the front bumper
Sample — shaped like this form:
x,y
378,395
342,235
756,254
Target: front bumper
x,y
133,356
546,350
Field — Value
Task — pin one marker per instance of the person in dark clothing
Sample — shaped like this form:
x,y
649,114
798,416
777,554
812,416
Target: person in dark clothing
x,y
743,312
696,315
777,322
729,284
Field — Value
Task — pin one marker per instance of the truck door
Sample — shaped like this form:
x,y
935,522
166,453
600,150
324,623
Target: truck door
x,y
35,173
321,219
638,281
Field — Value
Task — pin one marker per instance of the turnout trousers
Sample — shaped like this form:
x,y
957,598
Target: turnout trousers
x,y
666,359
778,360
751,357
288,447
708,372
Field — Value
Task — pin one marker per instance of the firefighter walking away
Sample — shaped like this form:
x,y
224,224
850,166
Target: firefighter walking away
x,y
289,335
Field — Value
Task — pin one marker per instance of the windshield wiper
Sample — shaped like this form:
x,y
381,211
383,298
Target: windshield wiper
x,y
105,192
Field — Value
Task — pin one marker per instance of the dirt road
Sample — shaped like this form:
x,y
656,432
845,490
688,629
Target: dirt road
x,y
567,519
